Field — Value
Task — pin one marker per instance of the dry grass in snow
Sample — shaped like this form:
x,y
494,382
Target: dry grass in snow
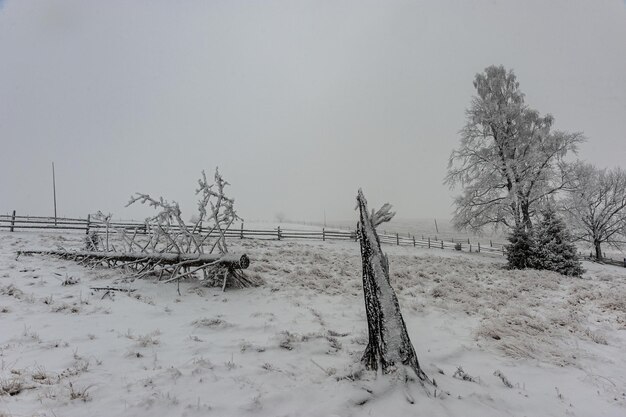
x,y
498,342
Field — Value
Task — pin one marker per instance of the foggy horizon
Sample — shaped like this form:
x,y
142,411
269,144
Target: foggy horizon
x,y
299,104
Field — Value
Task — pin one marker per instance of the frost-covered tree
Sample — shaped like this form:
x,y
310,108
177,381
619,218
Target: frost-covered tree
x,y
597,207
554,246
280,217
509,160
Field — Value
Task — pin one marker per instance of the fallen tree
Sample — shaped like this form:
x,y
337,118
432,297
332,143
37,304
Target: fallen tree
x,y
389,347
167,246
230,260
174,265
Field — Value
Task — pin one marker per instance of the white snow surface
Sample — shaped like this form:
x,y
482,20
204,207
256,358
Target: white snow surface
x,y
289,347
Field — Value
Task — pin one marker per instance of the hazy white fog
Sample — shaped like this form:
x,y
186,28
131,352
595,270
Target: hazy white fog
x,y
299,103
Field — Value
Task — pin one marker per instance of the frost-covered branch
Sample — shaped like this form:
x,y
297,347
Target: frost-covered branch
x,y
165,234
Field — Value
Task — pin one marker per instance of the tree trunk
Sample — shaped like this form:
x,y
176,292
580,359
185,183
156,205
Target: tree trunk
x,y
389,345
596,245
176,265
234,261
527,221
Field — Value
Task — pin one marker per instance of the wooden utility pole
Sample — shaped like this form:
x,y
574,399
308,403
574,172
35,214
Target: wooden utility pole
x,y
54,194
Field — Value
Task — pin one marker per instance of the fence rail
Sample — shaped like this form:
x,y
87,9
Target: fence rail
x,y
14,222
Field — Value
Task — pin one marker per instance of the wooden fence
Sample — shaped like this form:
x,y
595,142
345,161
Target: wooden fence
x,y
14,222
610,261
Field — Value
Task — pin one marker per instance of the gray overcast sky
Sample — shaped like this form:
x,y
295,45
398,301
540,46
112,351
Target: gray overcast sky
x,y
298,103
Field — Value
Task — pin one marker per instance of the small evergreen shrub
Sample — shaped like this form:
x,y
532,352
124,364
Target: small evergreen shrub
x,y
521,252
555,249
549,246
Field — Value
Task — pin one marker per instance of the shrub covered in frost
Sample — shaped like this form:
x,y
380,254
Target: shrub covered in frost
x,y
521,252
555,248
549,246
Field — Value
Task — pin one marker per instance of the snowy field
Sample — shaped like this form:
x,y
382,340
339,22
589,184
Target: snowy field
x,y
530,343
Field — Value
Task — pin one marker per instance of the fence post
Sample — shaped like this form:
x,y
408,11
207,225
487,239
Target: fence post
x,y
441,243
397,239
241,235
323,234
278,232
470,245
88,220
624,262
478,247
490,243
12,221
468,242
429,243
413,240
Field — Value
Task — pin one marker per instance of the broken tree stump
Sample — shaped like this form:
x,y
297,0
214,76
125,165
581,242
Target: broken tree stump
x,y
389,345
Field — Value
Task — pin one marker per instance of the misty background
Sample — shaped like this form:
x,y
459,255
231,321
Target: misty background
x,y
298,103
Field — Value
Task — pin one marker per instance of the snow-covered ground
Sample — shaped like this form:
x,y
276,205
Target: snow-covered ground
x,y
289,348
